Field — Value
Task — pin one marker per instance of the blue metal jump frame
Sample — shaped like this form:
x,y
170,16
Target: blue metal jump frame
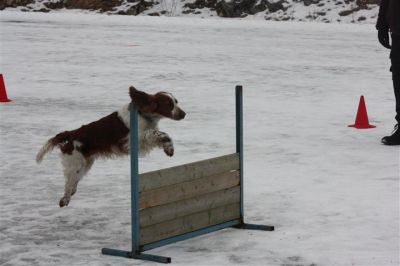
x,y
137,249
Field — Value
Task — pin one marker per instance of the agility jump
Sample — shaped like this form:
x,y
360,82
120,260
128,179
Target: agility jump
x,y
185,201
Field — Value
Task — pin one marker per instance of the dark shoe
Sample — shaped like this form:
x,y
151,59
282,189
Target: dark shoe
x,y
393,139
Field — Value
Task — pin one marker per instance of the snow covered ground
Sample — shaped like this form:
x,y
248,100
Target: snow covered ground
x,y
332,192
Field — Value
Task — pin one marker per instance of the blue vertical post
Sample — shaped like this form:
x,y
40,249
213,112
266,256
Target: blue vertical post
x,y
239,149
134,180
239,141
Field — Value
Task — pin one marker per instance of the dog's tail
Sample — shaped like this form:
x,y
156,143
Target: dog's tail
x,y
51,143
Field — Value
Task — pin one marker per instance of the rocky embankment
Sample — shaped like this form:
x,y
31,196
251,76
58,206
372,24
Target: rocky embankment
x,y
356,11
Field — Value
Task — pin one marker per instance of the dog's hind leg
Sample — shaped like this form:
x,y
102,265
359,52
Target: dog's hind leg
x,y
71,182
89,163
75,167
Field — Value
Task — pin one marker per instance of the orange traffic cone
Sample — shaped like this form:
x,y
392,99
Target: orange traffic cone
x,y
3,93
362,116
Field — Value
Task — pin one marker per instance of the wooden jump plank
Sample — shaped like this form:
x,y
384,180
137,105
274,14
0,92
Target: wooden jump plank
x,y
186,190
182,208
189,223
186,172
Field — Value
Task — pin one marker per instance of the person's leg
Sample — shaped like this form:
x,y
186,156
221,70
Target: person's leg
x,y
395,59
394,139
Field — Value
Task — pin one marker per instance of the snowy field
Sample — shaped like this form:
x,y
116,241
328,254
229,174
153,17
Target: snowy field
x,y
332,192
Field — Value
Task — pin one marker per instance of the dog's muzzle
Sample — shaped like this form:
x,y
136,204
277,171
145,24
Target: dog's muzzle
x,y
179,114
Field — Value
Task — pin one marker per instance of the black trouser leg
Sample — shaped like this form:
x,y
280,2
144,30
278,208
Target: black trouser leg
x,y
396,86
395,59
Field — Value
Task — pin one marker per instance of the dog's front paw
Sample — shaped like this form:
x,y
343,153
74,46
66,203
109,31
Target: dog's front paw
x,y
64,201
169,149
166,143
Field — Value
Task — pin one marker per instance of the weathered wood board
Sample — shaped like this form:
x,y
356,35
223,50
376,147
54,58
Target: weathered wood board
x,y
189,223
186,190
187,172
189,206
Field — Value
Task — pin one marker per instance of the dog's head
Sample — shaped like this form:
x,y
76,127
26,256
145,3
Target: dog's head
x,y
162,104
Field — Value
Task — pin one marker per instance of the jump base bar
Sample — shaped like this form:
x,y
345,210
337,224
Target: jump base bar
x,y
140,256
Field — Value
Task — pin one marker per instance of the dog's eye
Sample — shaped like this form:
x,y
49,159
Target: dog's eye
x,y
176,101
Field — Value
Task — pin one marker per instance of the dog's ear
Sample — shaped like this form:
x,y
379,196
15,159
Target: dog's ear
x,y
132,92
144,102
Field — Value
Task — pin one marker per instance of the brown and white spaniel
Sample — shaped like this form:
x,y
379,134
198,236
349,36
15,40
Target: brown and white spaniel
x,y
109,137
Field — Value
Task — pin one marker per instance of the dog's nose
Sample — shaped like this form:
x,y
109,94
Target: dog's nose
x,y
182,114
